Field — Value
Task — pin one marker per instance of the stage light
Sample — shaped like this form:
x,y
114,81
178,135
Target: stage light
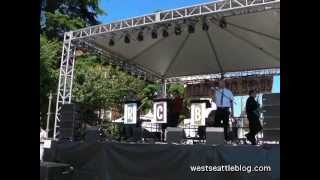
x,y
191,29
205,26
165,33
154,34
127,39
223,23
111,42
177,30
140,36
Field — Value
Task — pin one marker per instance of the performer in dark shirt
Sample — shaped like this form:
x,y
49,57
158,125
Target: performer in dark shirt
x,y
177,104
253,115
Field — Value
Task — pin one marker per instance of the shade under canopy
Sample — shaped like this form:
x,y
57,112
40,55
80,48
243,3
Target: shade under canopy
x,y
249,41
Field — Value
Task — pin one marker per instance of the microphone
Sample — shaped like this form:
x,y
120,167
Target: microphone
x,y
214,88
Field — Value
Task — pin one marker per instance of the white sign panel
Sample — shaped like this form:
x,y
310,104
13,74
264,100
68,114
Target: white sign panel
x,y
47,144
130,113
198,114
159,112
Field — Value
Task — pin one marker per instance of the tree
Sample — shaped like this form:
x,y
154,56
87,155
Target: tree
x,y
49,50
176,87
101,86
87,10
57,24
60,16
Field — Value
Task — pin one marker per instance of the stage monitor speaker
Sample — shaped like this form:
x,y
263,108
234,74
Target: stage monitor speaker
x,y
271,99
214,135
174,135
54,171
271,111
271,134
271,122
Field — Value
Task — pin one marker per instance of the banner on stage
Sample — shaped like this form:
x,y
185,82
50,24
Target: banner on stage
x,y
130,113
159,112
198,114
238,86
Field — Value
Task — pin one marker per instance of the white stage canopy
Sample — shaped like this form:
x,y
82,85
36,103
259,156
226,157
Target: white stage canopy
x,y
241,38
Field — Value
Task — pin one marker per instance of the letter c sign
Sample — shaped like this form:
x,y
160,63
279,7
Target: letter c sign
x,y
159,112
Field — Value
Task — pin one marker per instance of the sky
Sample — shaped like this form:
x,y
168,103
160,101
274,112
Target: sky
x,y
123,9
117,10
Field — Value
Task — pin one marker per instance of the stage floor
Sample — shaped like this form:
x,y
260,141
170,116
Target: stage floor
x,y
112,160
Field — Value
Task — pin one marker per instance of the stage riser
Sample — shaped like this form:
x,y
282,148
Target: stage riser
x,y
271,135
55,171
109,160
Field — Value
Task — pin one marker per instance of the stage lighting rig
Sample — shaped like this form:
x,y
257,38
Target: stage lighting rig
x,y
222,23
154,34
205,26
165,33
140,36
127,39
177,30
111,42
191,28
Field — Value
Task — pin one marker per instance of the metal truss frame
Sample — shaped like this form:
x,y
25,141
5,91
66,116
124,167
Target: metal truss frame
x,y
199,78
64,93
223,7
83,37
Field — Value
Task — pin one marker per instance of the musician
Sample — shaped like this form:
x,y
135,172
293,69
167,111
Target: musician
x,y
224,103
43,135
177,103
252,110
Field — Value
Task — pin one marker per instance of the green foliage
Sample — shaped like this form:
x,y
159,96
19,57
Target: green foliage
x,y
49,50
58,23
96,86
176,87
102,86
113,130
147,95
87,10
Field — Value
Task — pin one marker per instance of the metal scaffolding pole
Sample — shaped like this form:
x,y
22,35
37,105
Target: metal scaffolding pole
x,y
65,78
49,113
163,88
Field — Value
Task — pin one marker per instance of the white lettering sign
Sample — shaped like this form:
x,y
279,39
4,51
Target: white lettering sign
x,y
130,113
159,112
198,114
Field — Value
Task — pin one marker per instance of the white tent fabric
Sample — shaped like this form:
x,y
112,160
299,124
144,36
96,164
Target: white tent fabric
x,y
249,42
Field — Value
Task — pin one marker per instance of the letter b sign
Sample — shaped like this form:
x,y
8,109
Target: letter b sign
x,y
197,114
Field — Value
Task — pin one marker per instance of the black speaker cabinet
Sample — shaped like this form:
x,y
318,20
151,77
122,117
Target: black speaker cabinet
x,y
271,111
271,99
271,122
70,125
70,108
214,135
55,171
174,135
